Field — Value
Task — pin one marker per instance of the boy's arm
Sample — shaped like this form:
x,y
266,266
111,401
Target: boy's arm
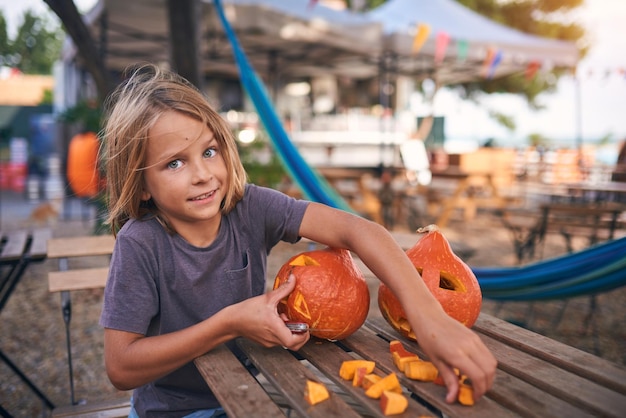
x,y
448,343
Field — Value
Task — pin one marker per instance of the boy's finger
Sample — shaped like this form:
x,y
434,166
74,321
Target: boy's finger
x,y
284,289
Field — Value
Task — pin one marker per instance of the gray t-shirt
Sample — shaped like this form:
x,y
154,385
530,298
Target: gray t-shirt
x,y
159,283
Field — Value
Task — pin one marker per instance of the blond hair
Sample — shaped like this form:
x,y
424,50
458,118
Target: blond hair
x,y
132,110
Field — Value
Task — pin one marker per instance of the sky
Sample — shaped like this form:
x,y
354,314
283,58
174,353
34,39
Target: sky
x,y
602,89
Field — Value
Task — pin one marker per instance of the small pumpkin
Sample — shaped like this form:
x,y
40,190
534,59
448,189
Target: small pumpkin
x,y
330,295
447,277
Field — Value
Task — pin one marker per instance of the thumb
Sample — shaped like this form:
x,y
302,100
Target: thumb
x,y
284,289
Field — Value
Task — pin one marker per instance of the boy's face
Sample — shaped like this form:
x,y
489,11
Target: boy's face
x,y
185,176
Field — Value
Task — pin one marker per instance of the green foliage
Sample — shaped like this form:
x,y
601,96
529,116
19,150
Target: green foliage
x,y
87,114
36,46
545,18
538,140
263,173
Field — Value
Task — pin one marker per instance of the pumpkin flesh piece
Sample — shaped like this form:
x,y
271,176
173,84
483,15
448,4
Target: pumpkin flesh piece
x,y
348,368
369,380
315,392
392,403
389,382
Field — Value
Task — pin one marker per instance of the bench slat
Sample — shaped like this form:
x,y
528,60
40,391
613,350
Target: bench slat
x,y
289,377
115,408
79,279
234,387
81,246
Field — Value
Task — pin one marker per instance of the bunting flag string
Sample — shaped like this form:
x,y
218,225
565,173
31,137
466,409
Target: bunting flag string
x,y
492,60
462,49
494,56
440,46
531,70
421,35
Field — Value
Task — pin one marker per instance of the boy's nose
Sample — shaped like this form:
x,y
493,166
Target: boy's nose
x,y
202,172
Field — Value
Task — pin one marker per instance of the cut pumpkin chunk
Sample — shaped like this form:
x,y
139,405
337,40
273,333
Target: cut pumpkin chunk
x,y
348,368
315,392
421,370
359,375
369,380
389,382
466,395
392,403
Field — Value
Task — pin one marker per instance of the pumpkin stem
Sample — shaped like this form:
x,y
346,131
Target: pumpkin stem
x,y
429,228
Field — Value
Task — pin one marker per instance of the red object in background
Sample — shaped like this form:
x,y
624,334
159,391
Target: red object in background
x,y
13,176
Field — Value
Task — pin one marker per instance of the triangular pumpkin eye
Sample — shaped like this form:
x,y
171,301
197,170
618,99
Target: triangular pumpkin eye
x,y
304,260
449,282
300,305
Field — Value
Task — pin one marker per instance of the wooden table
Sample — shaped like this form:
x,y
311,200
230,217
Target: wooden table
x,y
536,377
464,195
17,250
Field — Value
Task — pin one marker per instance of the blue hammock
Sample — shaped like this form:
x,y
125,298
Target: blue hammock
x,y
311,183
596,269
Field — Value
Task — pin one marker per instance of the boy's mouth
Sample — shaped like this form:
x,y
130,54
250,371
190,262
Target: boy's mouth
x,y
204,196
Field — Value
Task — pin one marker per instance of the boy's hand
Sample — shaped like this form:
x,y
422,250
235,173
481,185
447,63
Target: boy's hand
x,y
261,322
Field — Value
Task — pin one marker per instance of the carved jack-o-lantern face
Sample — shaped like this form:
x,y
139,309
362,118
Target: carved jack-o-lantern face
x,y
330,295
448,278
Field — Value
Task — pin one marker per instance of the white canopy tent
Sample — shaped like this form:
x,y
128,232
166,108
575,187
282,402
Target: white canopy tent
x,y
302,40
471,37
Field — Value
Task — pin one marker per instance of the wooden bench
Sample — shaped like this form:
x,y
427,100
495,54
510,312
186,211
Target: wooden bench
x,y
105,409
536,376
596,222
66,280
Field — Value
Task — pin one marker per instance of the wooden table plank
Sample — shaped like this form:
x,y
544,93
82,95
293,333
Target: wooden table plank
x,y
601,371
511,392
328,356
14,247
367,344
289,377
558,382
39,245
234,387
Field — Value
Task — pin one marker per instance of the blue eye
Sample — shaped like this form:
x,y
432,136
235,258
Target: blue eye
x,y
174,164
210,152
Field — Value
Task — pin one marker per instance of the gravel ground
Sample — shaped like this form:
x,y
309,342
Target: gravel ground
x,y
33,333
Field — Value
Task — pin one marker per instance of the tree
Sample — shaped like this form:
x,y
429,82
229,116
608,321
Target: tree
x,y
36,46
88,50
546,18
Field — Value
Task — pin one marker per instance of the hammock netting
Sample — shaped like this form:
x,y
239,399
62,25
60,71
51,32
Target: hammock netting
x,y
596,269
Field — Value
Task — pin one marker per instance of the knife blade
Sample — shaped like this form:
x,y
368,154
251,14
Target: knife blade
x,y
302,327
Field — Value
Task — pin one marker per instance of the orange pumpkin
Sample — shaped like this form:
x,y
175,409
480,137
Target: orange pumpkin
x,y
330,295
448,278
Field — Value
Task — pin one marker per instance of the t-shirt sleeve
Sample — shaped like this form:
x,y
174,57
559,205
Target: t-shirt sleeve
x,y
131,296
281,214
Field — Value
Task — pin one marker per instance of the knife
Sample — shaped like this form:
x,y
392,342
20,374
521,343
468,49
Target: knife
x,y
302,327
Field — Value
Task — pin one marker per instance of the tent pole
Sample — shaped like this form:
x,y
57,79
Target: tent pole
x,y
579,122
